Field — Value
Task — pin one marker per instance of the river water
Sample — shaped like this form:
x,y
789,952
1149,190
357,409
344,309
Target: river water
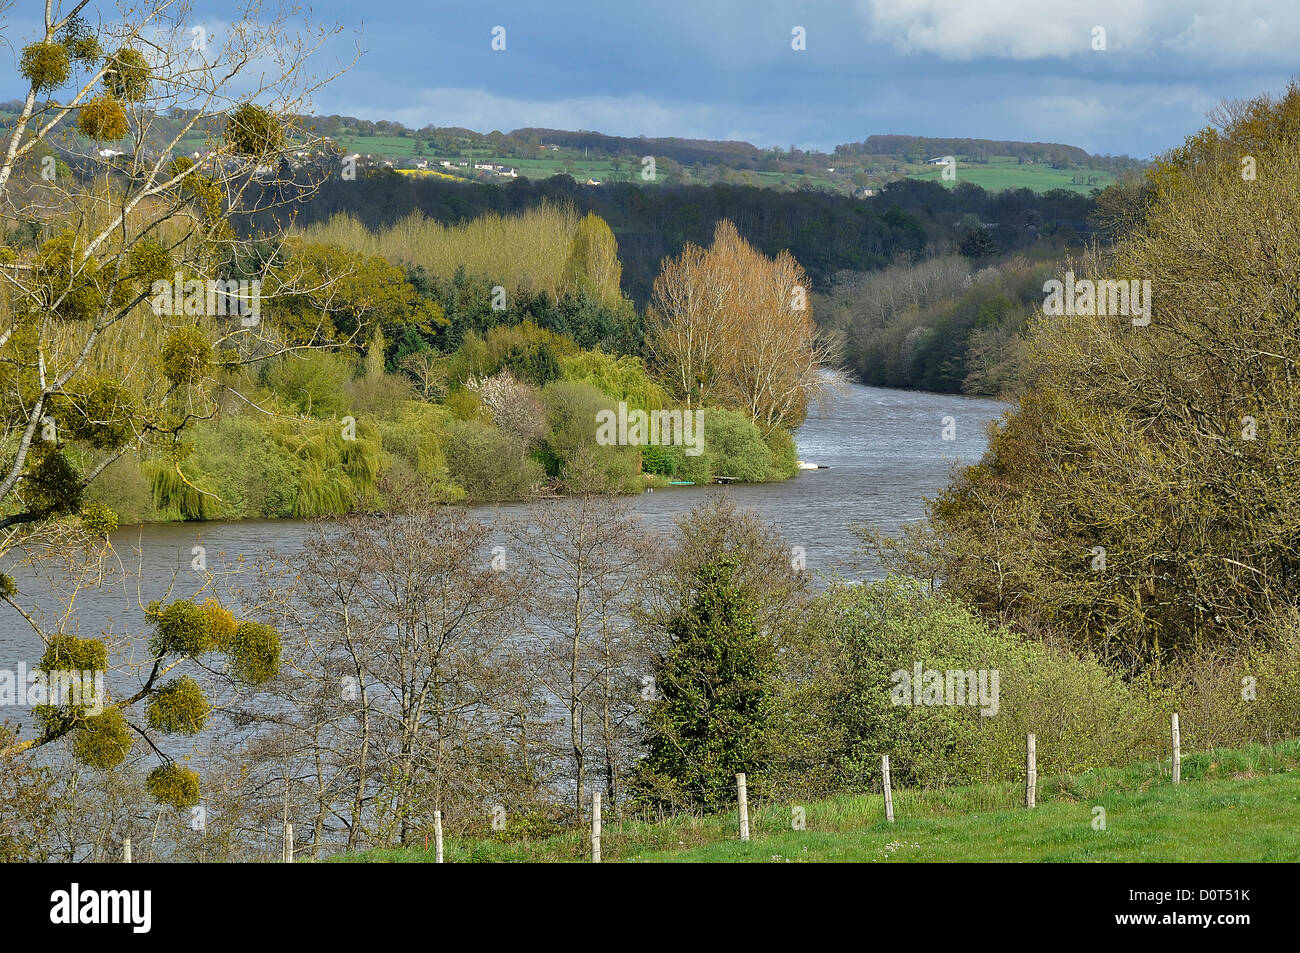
x,y
886,451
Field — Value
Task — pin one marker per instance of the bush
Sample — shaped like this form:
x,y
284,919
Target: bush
x,y
312,382
490,465
735,447
571,410
858,637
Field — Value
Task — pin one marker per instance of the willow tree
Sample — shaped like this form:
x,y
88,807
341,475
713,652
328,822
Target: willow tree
x,y
121,321
1141,499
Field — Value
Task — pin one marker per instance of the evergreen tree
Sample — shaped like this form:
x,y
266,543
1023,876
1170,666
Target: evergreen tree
x,y
711,716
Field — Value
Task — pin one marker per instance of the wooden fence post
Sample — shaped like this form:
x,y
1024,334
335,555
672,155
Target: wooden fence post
x,y
744,806
1031,770
889,797
1178,750
126,850
595,827
437,837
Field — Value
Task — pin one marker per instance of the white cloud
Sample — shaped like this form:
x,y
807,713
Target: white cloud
x,y
1221,31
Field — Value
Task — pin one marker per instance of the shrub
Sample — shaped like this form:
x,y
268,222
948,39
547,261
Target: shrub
x,y
312,382
858,637
571,410
489,464
735,446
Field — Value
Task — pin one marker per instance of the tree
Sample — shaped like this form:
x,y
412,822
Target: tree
x,y
978,243
731,326
585,556
1140,500
115,332
714,691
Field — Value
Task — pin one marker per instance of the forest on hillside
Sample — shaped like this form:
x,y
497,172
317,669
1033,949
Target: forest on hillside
x,y
826,233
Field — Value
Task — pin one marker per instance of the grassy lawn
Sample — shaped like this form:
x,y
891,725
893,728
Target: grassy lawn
x,y
1234,805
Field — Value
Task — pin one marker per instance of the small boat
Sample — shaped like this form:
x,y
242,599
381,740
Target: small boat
x,y
681,483
811,466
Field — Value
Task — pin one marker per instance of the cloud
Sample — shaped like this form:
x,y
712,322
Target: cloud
x,y
1228,32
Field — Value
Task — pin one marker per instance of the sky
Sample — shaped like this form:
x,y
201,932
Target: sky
x,y
726,69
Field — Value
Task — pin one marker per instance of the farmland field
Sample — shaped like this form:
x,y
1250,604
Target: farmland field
x,y
1004,173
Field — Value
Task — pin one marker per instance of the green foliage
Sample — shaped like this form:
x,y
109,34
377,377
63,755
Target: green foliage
x,y
312,382
102,412
102,119
67,282
205,191
178,707
490,465
254,653
221,625
181,628
978,243
620,378
186,355
127,75
858,637
715,691
784,460
51,484
253,131
1154,529
102,741
150,262
417,436
47,66
98,519
174,785
71,653
571,410
8,588
735,448
334,475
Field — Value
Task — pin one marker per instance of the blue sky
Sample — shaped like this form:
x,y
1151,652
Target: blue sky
x,y
725,69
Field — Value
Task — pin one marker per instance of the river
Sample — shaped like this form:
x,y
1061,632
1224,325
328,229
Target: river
x,y
885,449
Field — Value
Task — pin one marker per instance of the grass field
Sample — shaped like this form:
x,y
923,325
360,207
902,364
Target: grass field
x,y
1234,805
1003,173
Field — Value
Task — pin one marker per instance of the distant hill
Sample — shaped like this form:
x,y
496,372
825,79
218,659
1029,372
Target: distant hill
x,y
860,169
